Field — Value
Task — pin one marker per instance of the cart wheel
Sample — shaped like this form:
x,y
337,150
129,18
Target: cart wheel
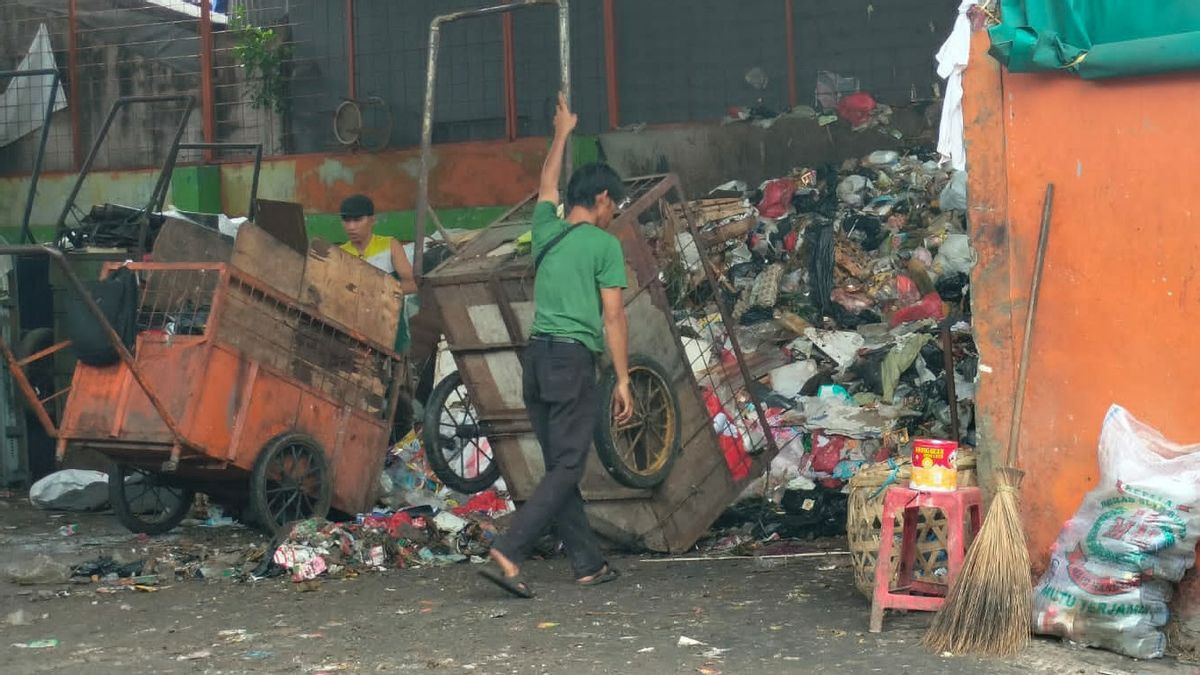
x,y
454,441
639,453
144,501
291,481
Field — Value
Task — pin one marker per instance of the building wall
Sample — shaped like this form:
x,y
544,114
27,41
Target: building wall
x,y
1119,299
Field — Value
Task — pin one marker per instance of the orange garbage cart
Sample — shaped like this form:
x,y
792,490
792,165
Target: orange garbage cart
x,y
272,388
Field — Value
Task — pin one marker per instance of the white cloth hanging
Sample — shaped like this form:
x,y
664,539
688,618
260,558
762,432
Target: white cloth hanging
x,y
952,62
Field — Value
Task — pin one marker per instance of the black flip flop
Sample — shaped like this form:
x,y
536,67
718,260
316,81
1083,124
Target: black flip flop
x,y
605,575
514,585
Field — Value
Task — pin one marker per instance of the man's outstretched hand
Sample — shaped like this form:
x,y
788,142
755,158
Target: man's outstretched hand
x,y
564,119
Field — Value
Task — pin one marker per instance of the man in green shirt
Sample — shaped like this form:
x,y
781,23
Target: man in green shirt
x,y
580,270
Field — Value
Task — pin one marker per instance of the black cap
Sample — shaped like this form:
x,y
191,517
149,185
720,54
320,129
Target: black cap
x,y
357,206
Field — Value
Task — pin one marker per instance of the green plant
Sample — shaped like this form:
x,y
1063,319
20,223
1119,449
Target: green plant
x,y
260,51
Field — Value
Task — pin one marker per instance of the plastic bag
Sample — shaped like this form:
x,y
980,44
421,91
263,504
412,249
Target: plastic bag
x,y
954,196
71,490
1114,565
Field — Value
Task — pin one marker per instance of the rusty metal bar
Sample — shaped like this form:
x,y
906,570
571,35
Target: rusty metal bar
x,y
42,354
435,40
790,26
18,374
351,59
207,95
610,64
734,343
95,149
510,79
73,103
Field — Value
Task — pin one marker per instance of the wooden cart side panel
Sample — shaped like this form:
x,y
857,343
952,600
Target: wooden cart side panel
x,y
351,292
269,260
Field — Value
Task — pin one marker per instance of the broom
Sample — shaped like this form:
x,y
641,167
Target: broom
x,y
988,609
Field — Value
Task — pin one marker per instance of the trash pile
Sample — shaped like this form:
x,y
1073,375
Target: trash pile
x,y
385,539
847,288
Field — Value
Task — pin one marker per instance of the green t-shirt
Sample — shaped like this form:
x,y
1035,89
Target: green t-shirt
x,y
567,288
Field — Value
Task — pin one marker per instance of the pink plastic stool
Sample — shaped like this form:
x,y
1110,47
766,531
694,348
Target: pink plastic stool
x,y
911,594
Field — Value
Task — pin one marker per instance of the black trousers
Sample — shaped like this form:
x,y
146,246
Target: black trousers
x,y
560,395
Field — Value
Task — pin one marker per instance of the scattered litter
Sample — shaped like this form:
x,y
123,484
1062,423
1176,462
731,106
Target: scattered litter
x,y
194,656
547,624
645,650
689,642
37,644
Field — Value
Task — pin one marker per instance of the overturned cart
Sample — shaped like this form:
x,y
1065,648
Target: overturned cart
x,y
657,482
268,382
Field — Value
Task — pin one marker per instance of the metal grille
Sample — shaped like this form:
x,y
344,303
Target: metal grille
x,y
30,39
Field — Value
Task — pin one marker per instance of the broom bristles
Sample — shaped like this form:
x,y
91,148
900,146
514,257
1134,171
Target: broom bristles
x,y
988,609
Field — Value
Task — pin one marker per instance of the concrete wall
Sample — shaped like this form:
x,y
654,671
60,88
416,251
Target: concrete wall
x,y
1117,312
707,155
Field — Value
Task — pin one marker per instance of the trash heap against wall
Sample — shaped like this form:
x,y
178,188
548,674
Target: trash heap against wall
x,y
844,286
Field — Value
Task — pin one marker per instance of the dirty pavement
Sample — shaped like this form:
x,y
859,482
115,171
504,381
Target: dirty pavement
x,y
738,615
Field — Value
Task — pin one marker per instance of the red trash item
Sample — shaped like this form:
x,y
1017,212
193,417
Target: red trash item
x,y
777,198
907,290
930,307
730,439
827,452
856,108
489,502
790,241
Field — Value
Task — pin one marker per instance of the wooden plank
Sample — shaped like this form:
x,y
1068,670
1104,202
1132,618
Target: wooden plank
x,y
185,241
267,259
284,221
351,292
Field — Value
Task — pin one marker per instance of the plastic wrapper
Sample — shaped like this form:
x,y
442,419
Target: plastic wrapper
x,y
1113,566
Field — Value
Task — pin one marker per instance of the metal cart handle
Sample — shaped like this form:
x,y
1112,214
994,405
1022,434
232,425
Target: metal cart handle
x,y
114,339
435,34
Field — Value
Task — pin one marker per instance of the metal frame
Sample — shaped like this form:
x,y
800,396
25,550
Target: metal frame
x,y
159,193
26,234
169,168
435,39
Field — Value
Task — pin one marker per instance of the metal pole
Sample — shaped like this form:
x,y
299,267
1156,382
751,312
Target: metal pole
x,y
790,26
610,64
207,95
564,66
351,61
510,79
73,102
26,235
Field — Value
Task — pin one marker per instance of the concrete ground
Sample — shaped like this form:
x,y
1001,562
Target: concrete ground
x,y
730,616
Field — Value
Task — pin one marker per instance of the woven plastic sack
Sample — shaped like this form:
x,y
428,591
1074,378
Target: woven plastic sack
x,y
1114,566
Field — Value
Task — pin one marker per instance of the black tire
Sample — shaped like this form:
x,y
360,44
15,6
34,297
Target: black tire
x,y
624,452
41,372
282,492
451,429
150,505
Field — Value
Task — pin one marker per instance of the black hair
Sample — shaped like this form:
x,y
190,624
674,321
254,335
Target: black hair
x,y
589,181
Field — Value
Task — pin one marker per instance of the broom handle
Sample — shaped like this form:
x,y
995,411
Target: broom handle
x,y
1034,288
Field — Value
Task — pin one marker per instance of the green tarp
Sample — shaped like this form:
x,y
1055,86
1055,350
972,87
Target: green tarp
x,y
1098,38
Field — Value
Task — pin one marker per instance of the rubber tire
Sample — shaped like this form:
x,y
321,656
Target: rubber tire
x,y
437,461
607,451
40,372
258,481
116,498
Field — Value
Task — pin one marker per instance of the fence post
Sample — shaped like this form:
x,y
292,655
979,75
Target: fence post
x,y
73,83
790,25
351,58
207,95
510,78
610,64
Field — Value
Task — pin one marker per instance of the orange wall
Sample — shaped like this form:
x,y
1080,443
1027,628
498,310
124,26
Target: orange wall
x,y
1120,301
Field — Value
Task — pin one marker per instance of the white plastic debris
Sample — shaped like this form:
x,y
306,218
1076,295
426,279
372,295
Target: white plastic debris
x,y
71,490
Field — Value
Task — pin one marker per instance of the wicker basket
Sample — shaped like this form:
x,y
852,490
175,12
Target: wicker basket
x,y
865,516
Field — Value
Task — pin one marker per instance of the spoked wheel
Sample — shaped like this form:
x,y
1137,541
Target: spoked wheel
x,y
455,444
144,501
291,481
640,452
